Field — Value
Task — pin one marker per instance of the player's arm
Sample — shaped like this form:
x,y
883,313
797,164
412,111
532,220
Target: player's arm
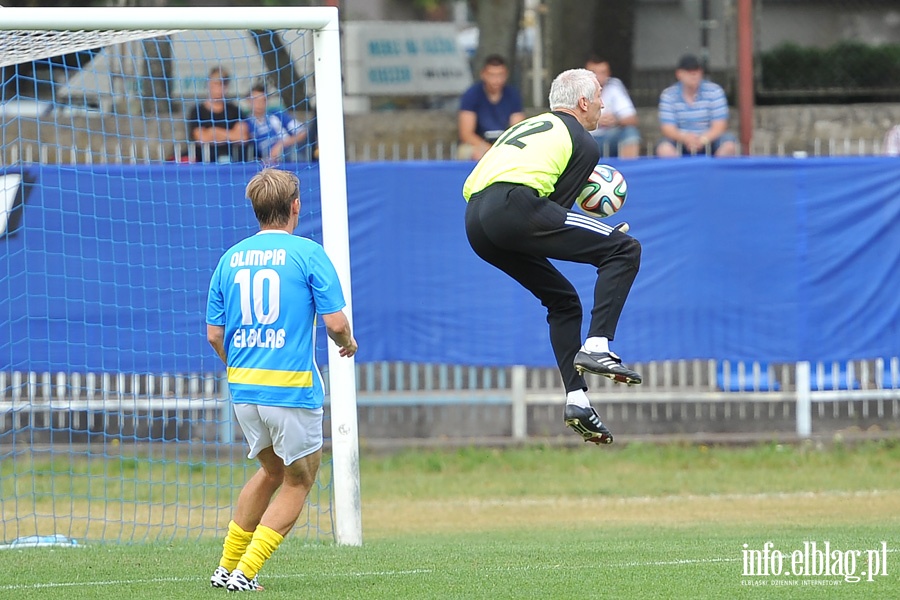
x,y
215,335
466,123
338,327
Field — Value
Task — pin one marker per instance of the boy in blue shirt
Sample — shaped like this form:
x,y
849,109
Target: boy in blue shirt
x,y
273,133
264,296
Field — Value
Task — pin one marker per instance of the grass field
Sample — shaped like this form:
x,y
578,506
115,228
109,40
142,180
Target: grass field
x,y
640,521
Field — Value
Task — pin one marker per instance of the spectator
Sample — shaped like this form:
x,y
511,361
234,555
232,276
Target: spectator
x,y
892,141
487,109
617,134
216,123
693,115
274,134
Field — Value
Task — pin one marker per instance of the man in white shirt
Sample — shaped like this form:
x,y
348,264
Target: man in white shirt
x,y
892,141
617,134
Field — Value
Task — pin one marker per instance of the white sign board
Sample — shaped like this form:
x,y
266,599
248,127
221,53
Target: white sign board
x,y
399,58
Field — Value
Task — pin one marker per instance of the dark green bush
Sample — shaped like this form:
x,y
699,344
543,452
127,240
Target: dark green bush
x,y
849,67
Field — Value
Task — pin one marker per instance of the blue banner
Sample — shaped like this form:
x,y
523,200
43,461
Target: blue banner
x,y
105,268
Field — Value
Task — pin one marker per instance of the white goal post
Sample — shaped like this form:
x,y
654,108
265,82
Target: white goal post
x,y
323,22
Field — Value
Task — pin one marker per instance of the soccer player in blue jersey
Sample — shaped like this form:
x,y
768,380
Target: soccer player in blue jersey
x,y
518,217
264,296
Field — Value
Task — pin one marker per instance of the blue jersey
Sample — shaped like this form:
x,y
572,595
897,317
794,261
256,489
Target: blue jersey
x,y
265,292
274,127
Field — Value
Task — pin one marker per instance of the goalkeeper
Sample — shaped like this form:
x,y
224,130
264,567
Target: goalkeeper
x,y
517,218
263,299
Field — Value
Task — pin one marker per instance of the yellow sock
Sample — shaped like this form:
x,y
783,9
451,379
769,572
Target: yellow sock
x,y
263,544
236,542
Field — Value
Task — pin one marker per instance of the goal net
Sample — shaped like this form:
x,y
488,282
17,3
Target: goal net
x,y
127,137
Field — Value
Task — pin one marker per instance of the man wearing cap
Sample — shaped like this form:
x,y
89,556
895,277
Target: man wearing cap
x,y
693,115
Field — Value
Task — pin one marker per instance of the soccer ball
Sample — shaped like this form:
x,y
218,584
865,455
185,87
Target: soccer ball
x,y
604,193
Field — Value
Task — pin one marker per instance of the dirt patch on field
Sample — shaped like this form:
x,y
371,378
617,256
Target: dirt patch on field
x,y
398,517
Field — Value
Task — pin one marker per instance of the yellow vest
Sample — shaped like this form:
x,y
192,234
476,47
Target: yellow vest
x,y
533,152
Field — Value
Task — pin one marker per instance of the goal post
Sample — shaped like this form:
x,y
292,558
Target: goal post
x,y
84,25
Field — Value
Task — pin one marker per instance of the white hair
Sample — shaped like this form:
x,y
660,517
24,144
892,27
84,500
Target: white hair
x,y
570,86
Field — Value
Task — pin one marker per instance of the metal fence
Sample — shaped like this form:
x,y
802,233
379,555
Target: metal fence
x,y
400,401
138,154
765,146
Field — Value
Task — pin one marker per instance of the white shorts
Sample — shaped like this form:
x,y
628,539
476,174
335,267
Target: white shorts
x,y
291,432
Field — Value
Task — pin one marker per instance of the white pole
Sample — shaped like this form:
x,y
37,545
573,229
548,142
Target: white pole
x,y
194,17
804,402
519,404
335,233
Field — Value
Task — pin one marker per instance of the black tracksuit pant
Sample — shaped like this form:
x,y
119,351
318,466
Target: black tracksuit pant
x,y
517,231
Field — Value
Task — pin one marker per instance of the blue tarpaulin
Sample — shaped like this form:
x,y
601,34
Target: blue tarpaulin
x,y
105,268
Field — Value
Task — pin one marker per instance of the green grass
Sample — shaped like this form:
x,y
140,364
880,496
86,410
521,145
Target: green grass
x,y
667,469
126,478
639,522
611,562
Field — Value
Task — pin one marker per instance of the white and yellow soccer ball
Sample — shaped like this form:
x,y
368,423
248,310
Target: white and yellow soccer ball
x,y
604,193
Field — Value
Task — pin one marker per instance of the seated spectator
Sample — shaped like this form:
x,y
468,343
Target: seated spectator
x,y
693,115
892,141
617,133
217,124
274,134
487,109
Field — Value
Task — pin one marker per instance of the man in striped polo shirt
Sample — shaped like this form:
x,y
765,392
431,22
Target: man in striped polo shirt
x,y
693,115
518,218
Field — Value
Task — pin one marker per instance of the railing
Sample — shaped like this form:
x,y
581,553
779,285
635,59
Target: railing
x,y
398,400
762,147
147,153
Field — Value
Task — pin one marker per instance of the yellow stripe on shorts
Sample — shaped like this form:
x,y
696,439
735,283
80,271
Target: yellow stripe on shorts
x,y
271,377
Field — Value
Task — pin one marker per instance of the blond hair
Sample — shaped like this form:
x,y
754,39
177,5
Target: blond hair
x,y
271,192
